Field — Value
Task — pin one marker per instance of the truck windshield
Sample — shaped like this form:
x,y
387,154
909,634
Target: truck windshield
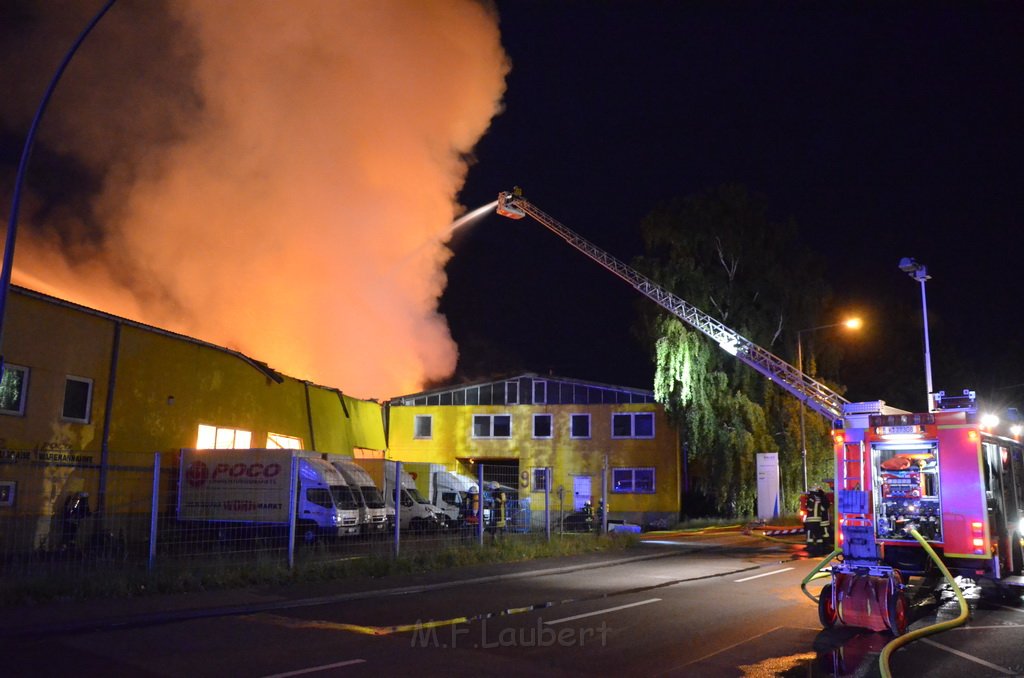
x,y
372,497
416,496
343,497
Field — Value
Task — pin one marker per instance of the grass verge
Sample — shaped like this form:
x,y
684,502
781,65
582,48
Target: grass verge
x,y
56,584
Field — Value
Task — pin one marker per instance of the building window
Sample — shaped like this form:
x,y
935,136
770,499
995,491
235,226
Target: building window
x,y
540,392
219,438
77,399
633,425
492,425
633,480
511,392
542,426
540,479
423,426
579,425
13,387
279,441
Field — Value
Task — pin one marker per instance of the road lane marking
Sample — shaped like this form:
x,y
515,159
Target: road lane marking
x,y
969,657
315,669
1007,607
607,609
766,574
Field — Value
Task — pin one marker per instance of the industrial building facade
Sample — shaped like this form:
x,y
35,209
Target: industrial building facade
x,y
85,393
587,434
87,398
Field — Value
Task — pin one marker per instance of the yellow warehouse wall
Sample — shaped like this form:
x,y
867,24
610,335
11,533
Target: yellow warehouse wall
x,y
452,441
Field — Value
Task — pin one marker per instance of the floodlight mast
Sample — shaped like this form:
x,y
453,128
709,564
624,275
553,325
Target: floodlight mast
x,y
814,394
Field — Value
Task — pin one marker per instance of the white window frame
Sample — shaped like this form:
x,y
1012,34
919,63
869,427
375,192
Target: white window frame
x,y
239,438
20,412
280,441
543,399
590,427
632,425
632,470
490,426
88,400
511,386
538,473
551,426
429,418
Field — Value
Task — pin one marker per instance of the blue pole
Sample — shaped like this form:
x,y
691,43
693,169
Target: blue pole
x,y
12,225
480,514
398,504
154,510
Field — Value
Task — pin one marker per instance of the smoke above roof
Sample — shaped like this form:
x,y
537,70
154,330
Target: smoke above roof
x,y
278,178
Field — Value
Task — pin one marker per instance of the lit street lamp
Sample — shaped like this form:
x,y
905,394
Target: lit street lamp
x,y
852,324
920,273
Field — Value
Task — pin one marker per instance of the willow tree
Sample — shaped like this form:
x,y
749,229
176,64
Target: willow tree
x,y
720,252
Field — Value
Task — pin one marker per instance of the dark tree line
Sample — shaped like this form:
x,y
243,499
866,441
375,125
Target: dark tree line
x,y
721,252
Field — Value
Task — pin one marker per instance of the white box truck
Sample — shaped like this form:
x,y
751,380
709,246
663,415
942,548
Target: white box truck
x,y
447,490
372,511
251,487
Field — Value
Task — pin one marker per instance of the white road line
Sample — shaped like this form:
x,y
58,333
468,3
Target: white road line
x,y
314,669
969,657
766,574
1007,607
607,609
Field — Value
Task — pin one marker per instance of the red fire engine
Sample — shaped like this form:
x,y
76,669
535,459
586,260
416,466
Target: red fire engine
x,y
954,475
951,475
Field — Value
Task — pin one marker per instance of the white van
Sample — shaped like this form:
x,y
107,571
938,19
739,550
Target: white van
x,y
372,512
417,513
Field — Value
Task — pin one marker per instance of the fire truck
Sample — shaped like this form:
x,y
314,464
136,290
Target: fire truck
x,y
952,475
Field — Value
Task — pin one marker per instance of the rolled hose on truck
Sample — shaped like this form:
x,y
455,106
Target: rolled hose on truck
x,y
900,641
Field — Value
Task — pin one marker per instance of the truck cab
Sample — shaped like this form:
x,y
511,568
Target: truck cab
x,y
326,503
417,513
372,511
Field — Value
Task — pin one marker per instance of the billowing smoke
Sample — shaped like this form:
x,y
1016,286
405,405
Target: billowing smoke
x,y
276,177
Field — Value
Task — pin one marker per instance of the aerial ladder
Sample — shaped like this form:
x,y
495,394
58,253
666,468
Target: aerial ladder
x,y
891,489
811,392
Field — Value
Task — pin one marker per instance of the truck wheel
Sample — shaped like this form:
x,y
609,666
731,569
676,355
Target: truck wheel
x,y
826,610
897,613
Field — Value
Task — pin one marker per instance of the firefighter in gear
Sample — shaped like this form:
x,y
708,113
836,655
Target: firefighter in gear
x,y
817,522
496,524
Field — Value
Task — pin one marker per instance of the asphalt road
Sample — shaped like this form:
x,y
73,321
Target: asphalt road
x,y
722,606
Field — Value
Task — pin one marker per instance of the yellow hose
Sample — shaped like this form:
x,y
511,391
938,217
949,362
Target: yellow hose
x,y
900,641
816,573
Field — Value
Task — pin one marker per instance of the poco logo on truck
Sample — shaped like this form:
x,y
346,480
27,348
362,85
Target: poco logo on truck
x,y
198,472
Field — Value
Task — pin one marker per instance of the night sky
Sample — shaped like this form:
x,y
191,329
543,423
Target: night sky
x,y
883,132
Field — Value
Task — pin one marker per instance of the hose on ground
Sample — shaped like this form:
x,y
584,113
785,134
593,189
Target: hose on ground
x,y
816,573
900,641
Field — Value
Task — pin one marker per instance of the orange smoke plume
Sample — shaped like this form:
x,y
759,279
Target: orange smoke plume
x,y
290,199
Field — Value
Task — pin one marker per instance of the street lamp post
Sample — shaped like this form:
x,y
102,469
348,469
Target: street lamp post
x,y
851,323
919,272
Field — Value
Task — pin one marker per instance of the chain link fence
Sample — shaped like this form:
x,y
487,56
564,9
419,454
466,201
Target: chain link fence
x,y
236,509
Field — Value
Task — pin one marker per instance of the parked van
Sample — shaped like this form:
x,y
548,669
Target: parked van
x,y
417,513
372,511
448,491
